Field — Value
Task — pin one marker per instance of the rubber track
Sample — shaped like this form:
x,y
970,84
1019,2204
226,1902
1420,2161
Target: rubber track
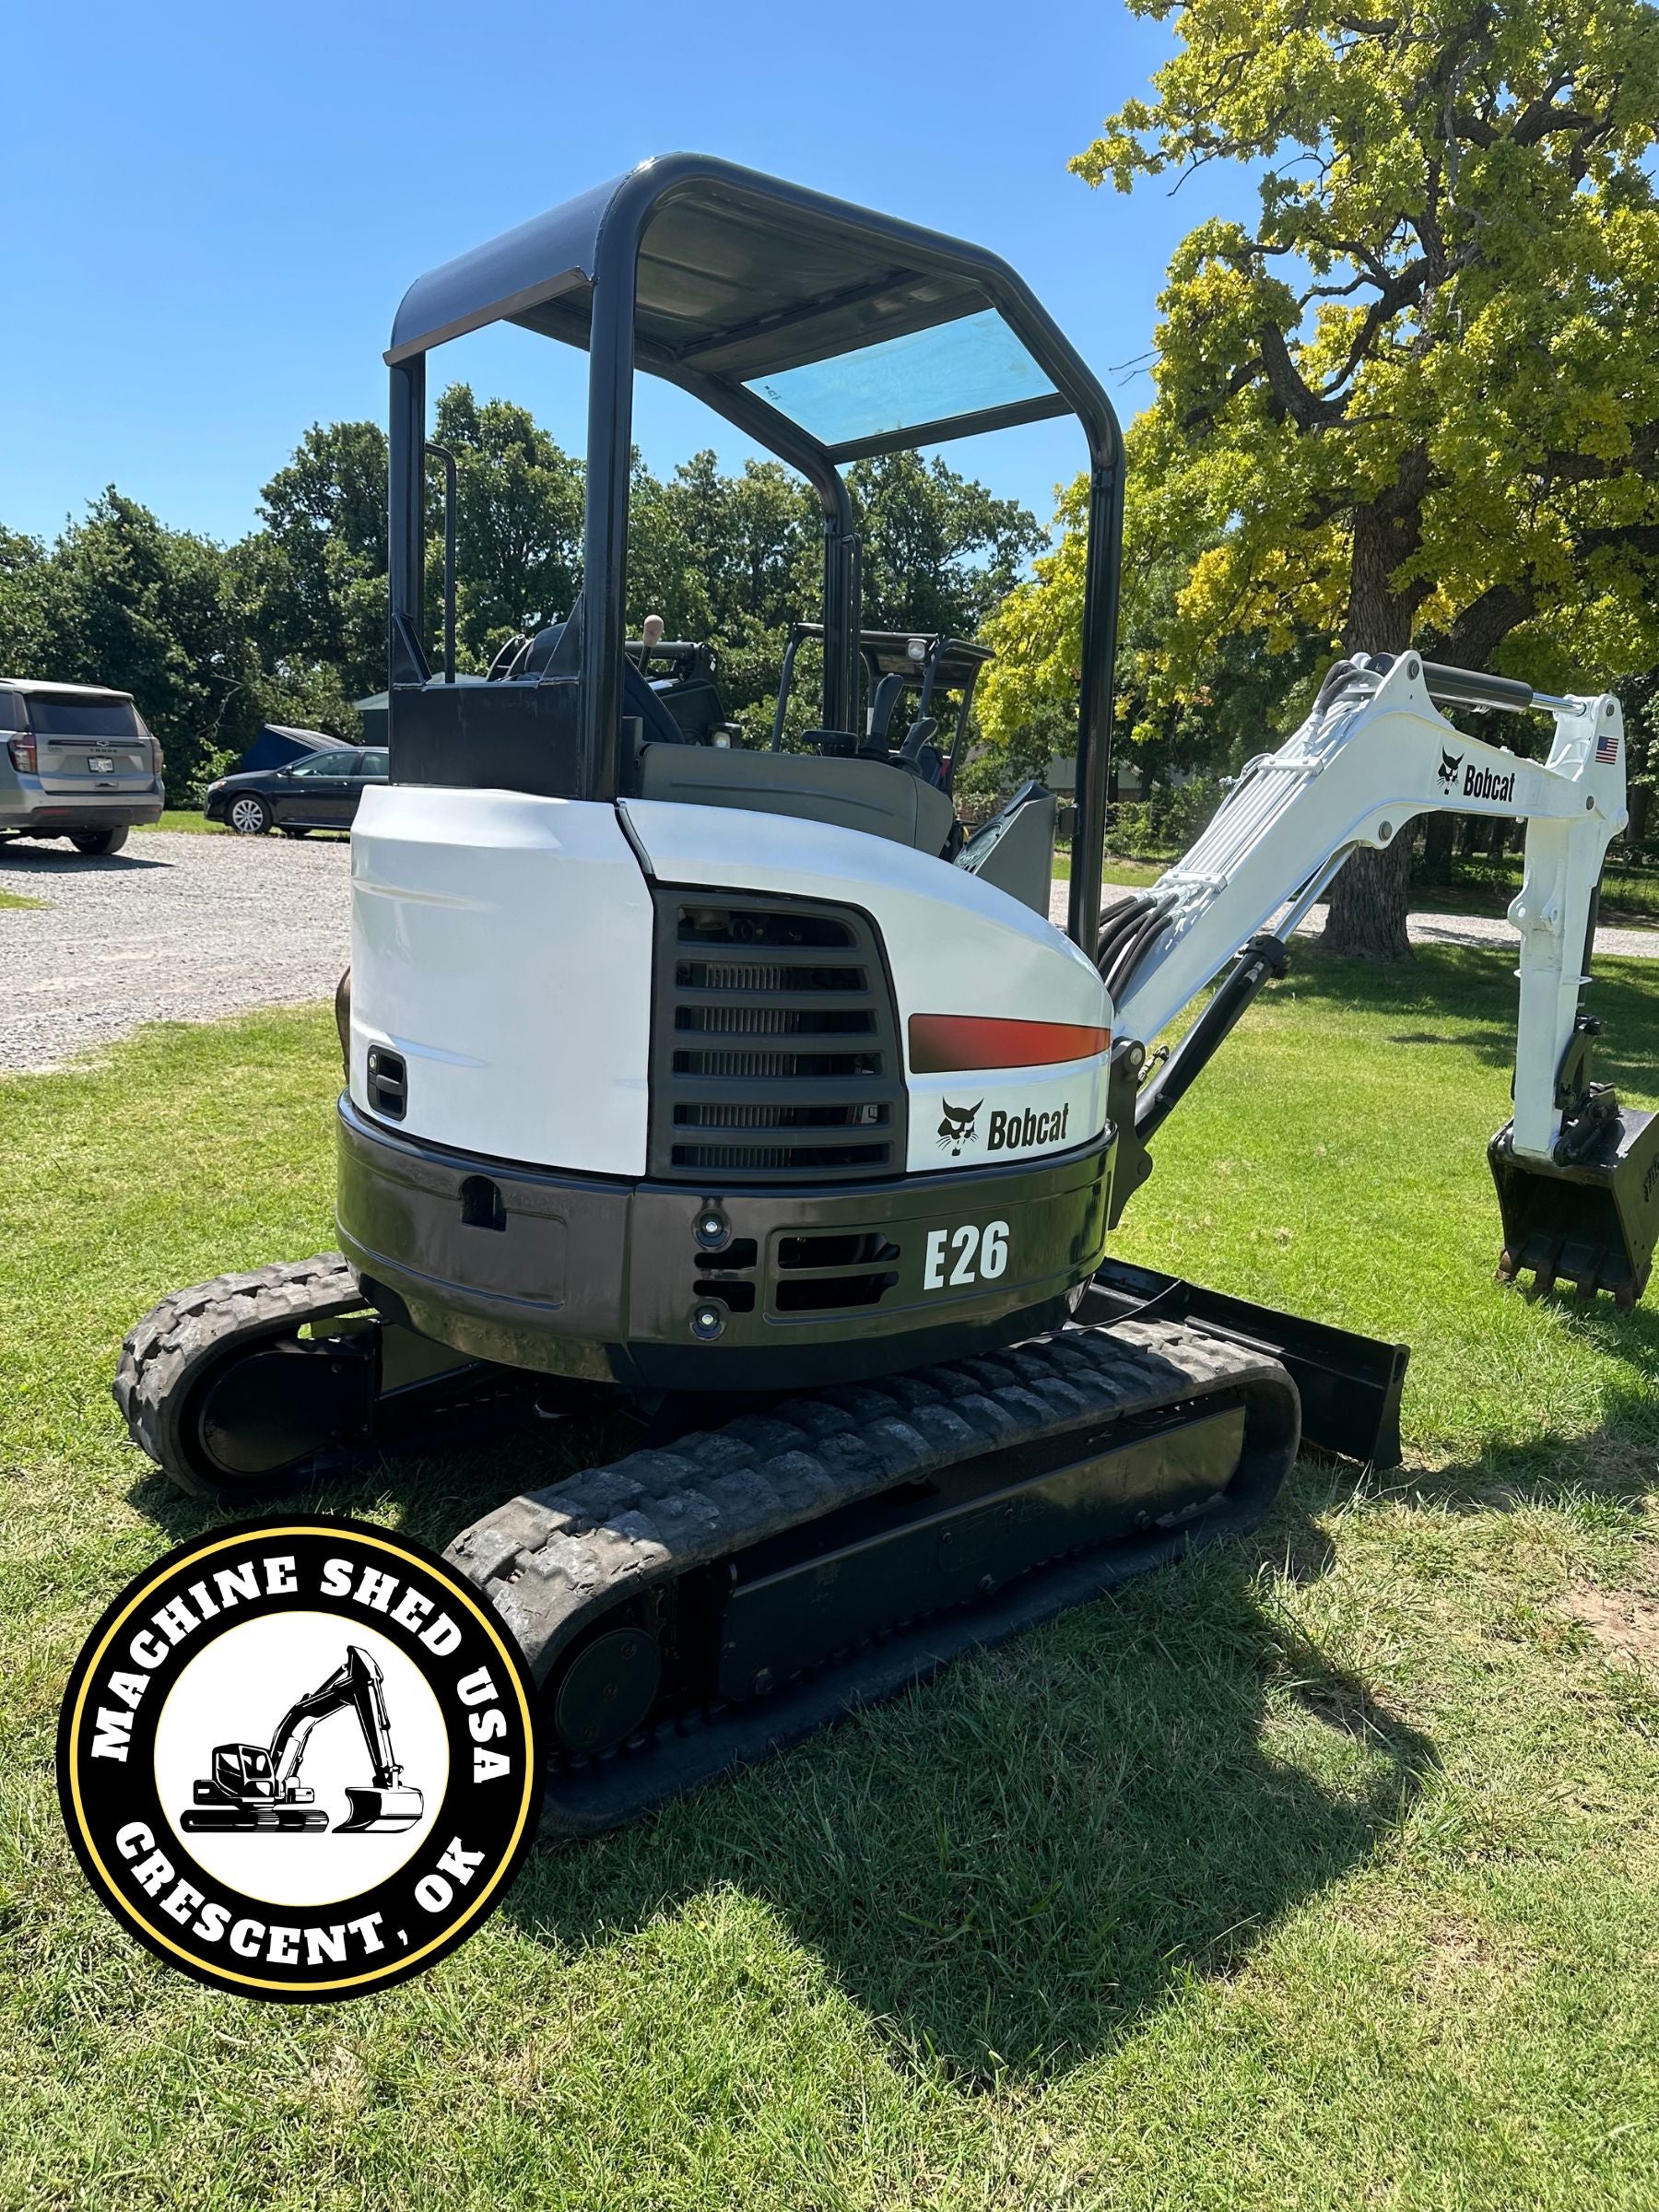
x,y
554,1560
166,1352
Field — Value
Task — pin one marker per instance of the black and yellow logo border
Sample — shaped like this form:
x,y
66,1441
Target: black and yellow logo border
x,y
73,1722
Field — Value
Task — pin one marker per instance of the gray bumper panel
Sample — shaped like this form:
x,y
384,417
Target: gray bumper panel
x,y
587,1276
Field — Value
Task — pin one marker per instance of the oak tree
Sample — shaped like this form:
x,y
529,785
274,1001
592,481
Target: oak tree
x,y
1417,398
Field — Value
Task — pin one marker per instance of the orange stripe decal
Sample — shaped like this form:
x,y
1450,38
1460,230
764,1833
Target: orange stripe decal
x,y
942,1044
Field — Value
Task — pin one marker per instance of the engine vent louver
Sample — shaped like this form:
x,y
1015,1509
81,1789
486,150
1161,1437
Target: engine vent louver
x,y
775,1045
836,1273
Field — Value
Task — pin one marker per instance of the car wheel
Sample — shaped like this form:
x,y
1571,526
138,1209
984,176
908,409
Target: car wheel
x,y
99,842
288,831
249,816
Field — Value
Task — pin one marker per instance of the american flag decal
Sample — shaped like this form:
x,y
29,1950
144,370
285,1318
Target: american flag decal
x,y
1607,749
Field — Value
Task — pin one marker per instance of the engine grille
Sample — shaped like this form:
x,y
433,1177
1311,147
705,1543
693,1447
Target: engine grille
x,y
775,1044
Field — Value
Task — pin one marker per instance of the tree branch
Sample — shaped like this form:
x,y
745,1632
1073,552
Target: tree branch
x,y
1291,394
1483,625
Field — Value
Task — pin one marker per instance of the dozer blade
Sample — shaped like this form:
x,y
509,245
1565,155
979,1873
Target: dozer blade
x,y
1592,1222
380,1812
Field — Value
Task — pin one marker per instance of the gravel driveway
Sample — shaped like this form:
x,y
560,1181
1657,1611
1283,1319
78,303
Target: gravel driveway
x,y
178,927
183,928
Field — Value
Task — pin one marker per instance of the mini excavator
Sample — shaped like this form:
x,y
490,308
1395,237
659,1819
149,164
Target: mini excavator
x,y
252,1789
738,1083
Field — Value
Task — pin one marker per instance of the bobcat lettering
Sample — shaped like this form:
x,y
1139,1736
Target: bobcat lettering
x,y
1019,1132
1486,784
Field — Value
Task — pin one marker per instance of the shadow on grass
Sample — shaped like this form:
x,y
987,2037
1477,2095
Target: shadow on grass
x,y
1010,1868
1465,995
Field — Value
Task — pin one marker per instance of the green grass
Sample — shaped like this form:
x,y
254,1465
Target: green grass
x,y
1631,885
1117,869
184,817
16,898
1319,1873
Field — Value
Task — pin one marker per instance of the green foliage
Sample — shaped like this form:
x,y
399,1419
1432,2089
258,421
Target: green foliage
x,y
289,625
158,613
518,526
1168,819
1186,703
940,550
1422,391
1417,397
318,567
731,559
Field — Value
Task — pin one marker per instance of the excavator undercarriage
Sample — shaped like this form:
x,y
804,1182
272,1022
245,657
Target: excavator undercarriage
x,y
697,1604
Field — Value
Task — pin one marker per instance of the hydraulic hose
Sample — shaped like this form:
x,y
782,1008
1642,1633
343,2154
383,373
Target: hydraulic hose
x,y
1128,957
1118,924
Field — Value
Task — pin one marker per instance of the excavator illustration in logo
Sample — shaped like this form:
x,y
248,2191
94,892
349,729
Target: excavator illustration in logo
x,y
957,1128
252,1787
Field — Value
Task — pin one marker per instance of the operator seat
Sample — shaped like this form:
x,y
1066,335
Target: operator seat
x,y
638,698
871,795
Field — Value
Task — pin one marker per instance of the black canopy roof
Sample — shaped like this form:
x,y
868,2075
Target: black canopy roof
x,y
741,279
821,329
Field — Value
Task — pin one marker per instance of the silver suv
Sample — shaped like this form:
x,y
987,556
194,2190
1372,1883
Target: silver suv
x,y
75,762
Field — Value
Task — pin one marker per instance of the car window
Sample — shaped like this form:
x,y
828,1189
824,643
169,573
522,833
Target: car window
x,y
370,763
82,717
325,764
10,717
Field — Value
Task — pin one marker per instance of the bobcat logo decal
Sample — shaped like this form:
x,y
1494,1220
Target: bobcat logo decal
x,y
1450,764
957,1128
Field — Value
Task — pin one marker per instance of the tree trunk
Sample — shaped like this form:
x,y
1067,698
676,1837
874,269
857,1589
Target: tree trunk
x,y
1439,832
1638,798
1368,898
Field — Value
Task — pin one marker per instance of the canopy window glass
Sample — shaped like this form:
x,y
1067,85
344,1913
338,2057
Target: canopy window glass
x,y
937,379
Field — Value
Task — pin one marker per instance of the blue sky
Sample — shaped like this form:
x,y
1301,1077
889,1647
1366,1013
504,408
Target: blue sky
x,y
209,213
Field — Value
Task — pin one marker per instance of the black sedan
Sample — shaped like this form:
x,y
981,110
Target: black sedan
x,y
319,793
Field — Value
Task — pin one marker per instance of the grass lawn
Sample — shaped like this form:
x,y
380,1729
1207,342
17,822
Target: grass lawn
x,y
1117,870
1317,1874
183,817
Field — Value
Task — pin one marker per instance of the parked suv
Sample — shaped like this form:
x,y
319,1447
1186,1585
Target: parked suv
x,y
321,792
75,762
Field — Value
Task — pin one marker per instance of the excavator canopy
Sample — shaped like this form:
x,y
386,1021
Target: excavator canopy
x,y
863,332
827,333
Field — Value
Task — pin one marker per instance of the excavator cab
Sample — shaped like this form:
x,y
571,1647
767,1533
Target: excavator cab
x,y
826,332
242,1772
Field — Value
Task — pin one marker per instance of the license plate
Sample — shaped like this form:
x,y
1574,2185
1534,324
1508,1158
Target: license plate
x,y
102,764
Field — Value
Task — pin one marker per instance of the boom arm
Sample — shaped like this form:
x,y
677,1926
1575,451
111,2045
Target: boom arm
x,y
1373,753
356,1684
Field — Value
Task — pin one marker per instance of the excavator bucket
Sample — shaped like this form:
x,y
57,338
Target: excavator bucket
x,y
1593,1222
379,1812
